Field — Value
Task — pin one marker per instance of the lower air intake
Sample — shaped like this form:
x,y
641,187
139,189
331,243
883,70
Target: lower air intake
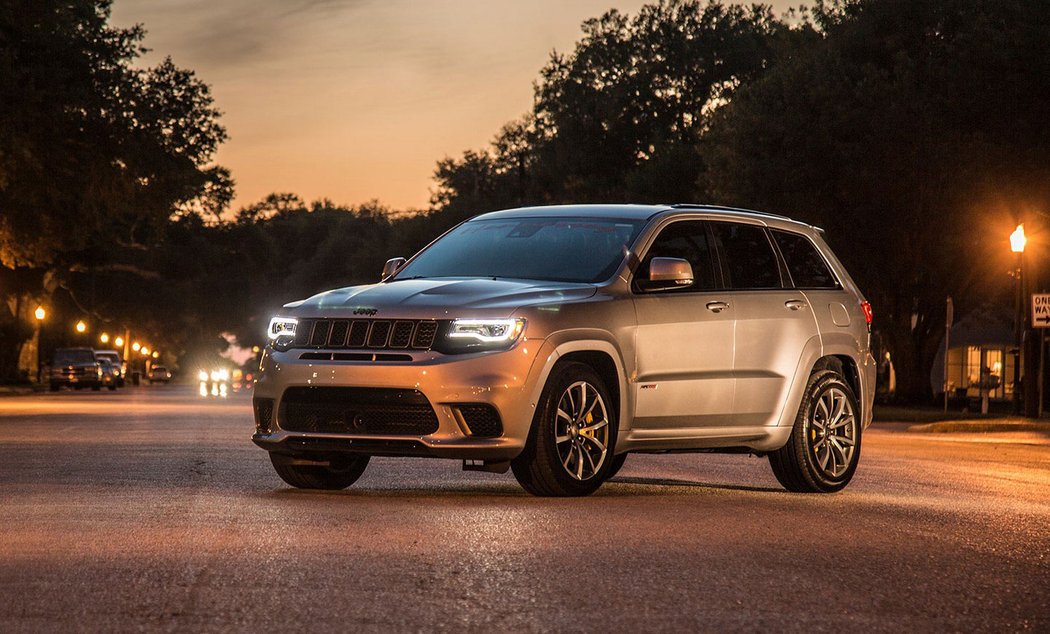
x,y
263,414
481,419
357,410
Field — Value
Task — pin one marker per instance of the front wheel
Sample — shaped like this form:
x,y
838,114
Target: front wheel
x,y
824,448
337,474
569,450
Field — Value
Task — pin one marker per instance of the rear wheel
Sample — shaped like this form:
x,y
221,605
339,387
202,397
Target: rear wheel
x,y
569,450
337,474
824,448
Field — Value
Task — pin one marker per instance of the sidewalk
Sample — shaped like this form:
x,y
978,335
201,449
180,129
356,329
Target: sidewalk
x,y
20,390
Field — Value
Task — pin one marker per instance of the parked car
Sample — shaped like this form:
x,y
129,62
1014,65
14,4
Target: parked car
x,y
117,361
76,368
158,374
555,341
110,373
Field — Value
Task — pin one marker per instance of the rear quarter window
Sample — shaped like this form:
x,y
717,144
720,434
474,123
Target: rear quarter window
x,y
805,264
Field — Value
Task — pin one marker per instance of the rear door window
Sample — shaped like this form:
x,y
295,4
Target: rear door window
x,y
686,240
805,264
749,259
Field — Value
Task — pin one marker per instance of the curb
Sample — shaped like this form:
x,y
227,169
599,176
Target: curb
x,y
979,427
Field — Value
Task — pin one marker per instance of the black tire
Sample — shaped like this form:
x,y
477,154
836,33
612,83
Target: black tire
x,y
796,465
617,464
539,468
338,475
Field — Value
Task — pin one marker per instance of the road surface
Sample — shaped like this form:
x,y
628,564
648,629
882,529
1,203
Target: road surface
x,y
151,509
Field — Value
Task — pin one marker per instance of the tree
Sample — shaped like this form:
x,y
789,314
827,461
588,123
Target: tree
x,y
95,154
911,132
619,118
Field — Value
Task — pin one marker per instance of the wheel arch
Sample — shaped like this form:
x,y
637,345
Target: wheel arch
x,y
601,355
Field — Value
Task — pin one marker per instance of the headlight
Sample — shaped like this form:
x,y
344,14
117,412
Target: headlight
x,y
281,332
202,375
480,335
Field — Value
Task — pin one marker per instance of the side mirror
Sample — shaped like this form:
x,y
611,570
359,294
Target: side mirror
x,y
667,273
393,265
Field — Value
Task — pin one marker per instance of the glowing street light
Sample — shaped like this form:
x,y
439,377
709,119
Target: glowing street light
x,y
156,355
119,342
145,351
1018,239
81,326
39,313
104,338
136,346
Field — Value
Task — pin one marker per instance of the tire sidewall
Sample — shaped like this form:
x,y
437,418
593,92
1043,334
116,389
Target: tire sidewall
x,y
545,427
817,388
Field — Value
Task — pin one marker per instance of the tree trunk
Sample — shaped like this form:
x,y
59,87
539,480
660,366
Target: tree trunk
x,y
13,336
912,356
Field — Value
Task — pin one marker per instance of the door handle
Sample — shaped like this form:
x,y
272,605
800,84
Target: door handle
x,y
795,304
717,307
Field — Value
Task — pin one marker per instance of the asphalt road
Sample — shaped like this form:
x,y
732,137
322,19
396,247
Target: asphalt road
x,y
151,509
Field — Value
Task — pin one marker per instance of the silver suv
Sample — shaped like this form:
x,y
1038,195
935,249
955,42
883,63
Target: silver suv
x,y
554,341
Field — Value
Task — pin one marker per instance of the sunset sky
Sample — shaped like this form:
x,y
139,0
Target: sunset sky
x,y
358,99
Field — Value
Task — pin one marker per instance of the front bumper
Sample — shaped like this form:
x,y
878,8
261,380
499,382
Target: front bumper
x,y
505,380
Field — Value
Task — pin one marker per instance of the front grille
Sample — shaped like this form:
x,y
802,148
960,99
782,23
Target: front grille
x,y
357,410
375,334
481,419
263,414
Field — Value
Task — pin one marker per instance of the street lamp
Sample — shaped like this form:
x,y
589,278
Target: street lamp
x,y
39,313
104,338
119,342
135,346
81,326
1018,240
145,351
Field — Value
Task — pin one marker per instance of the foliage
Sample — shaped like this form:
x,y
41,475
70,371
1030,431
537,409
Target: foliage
x,y
619,118
907,131
96,154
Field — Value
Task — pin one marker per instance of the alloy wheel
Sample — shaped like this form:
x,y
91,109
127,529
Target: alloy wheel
x,y
832,433
582,430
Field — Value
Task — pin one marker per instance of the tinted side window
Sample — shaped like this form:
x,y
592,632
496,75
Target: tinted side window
x,y
749,257
807,268
687,240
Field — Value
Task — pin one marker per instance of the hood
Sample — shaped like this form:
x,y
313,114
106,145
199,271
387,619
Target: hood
x,y
437,298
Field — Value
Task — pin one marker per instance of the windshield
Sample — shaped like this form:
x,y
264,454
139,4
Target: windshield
x,y
74,357
549,249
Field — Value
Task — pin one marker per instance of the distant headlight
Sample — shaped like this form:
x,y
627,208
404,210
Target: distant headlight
x,y
480,335
281,332
202,375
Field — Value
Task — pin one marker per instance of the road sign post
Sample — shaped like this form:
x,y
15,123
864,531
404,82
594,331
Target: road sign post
x,y
949,317
1041,320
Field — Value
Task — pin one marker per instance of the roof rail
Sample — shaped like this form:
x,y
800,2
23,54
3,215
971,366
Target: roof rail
x,y
724,208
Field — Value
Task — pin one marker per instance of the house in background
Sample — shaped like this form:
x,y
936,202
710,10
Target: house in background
x,y
981,346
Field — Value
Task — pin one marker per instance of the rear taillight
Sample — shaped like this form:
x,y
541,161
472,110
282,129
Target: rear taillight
x,y
866,307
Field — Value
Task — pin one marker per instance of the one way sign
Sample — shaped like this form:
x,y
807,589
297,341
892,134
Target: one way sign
x,y
1041,310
